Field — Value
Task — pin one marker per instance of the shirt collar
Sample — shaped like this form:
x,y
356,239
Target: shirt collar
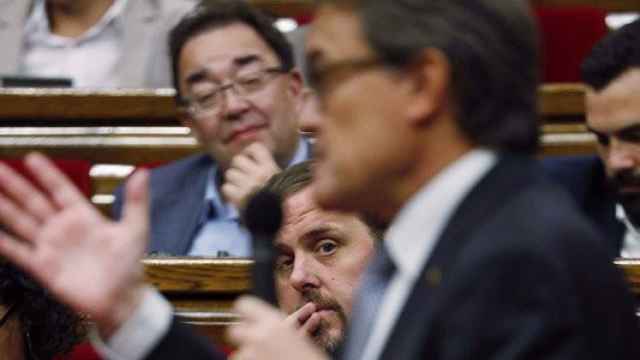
x,y
227,211
621,215
37,26
415,230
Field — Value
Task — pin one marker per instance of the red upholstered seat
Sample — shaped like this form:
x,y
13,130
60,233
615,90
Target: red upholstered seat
x,y
76,170
567,36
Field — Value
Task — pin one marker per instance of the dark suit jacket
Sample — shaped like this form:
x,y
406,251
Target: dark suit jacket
x,y
585,180
518,273
177,203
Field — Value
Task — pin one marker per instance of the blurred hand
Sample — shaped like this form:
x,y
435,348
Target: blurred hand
x,y
265,334
248,172
84,259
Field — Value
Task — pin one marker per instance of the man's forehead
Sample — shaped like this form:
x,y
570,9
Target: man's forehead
x,y
336,34
226,49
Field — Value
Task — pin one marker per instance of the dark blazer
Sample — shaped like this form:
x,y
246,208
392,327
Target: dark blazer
x,y
517,273
585,179
177,203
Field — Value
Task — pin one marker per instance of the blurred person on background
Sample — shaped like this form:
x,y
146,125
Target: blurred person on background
x,y
96,44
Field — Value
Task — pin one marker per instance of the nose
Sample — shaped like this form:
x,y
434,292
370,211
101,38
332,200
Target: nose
x,y
620,155
234,104
303,275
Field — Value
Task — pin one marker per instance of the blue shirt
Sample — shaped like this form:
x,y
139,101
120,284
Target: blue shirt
x,y
220,233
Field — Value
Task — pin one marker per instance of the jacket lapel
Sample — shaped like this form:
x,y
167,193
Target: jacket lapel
x,y
415,323
176,213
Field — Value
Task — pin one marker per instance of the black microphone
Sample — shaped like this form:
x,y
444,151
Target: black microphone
x,y
263,218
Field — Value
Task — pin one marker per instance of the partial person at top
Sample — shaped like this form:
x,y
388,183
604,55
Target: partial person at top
x,y
96,44
240,94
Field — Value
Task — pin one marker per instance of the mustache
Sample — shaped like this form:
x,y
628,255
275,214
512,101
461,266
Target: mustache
x,y
322,302
626,178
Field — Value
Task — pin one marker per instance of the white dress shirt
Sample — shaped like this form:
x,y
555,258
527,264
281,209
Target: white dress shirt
x,y
89,60
414,233
631,240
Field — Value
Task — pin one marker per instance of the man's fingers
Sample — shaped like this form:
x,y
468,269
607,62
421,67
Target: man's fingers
x,y
301,315
24,193
19,253
260,154
22,224
311,325
62,190
237,177
243,163
136,208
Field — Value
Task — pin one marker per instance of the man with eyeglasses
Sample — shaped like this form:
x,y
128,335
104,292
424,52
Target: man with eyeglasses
x,y
240,94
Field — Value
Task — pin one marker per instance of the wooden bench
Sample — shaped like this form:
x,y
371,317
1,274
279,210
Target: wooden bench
x,y
134,127
559,103
203,290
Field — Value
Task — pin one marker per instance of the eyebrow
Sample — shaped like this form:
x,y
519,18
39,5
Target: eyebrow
x,y
319,232
201,74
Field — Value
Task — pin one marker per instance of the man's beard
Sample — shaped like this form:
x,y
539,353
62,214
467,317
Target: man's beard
x,y
321,335
630,201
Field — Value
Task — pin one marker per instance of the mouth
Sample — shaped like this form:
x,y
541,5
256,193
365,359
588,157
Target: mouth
x,y
244,133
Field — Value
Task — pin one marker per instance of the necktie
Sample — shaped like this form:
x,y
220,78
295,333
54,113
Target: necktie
x,y
374,285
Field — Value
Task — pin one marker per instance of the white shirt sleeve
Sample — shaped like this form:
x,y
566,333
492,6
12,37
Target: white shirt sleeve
x,y
137,337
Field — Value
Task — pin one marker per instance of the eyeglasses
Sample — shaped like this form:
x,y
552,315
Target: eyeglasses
x,y
320,77
209,103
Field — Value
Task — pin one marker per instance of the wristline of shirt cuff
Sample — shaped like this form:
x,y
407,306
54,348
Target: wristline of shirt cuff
x,y
137,337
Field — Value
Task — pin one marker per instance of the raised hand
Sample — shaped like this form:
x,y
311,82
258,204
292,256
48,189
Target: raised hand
x,y
87,261
265,334
249,171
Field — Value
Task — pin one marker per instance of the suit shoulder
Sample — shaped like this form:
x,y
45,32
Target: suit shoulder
x,y
180,168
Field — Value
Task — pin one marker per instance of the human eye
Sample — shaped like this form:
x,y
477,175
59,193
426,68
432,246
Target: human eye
x,y
283,263
326,247
207,99
631,136
250,82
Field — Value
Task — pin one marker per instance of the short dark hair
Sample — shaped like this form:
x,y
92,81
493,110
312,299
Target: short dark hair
x,y
295,179
48,328
611,56
492,47
214,14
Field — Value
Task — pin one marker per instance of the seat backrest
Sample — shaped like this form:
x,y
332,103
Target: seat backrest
x,y
76,170
567,36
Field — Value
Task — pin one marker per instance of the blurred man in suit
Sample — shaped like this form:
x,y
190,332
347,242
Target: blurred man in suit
x,y
606,187
240,94
479,261
97,44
